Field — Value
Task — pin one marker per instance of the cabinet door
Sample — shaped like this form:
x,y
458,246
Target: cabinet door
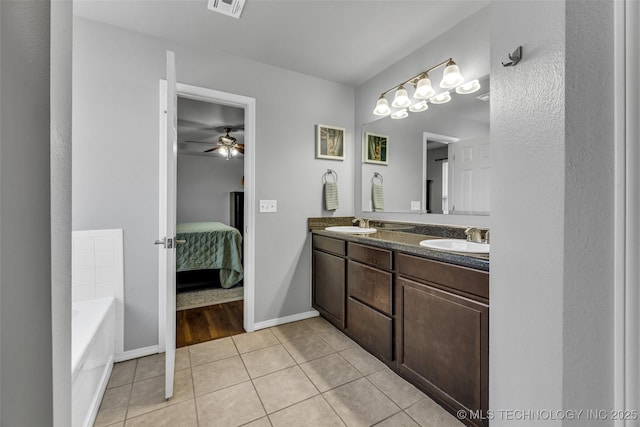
x,y
443,344
329,286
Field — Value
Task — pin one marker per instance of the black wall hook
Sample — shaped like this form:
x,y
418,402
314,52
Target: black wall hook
x,y
515,57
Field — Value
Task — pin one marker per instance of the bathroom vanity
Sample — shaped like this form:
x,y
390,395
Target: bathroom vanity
x,y
423,312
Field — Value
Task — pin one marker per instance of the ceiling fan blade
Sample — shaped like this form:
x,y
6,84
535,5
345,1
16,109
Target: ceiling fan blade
x,y
211,149
240,146
202,142
240,150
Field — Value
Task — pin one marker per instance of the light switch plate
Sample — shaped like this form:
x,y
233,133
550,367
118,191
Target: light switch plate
x,y
415,205
268,206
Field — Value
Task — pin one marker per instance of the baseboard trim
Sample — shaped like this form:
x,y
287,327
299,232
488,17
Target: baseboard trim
x,y
286,319
138,352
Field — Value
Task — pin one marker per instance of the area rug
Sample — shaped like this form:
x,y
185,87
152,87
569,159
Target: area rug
x,y
204,297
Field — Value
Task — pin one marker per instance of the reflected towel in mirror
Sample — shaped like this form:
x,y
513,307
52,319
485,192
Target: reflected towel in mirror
x,y
377,197
331,196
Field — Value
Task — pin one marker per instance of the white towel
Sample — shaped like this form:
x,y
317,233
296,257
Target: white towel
x,y
377,197
331,196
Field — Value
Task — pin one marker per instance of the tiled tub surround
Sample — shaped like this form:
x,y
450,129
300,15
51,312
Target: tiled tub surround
x,y
405,237
305,373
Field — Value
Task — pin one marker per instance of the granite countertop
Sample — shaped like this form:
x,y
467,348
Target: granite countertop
x,y
406,238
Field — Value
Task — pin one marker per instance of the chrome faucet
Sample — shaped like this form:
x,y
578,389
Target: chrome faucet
x,y
362,223
473,235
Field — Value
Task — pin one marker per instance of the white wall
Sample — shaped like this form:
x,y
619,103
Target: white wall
x,y
115,160
204,184
551,320
26,385
468,44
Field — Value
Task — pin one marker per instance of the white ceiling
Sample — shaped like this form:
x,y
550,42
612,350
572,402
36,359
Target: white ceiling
x,y
345,41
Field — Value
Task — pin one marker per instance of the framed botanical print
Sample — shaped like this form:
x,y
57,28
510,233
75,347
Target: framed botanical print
x,y
329,142
376,148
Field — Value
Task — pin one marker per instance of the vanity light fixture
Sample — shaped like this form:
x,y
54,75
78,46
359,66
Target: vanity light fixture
x,y
401,100
441,98
451,78
469,87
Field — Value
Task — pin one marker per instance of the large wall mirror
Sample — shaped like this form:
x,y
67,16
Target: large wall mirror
x,y
434,161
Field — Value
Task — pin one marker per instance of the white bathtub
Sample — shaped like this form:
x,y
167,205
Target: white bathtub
x,y
92,348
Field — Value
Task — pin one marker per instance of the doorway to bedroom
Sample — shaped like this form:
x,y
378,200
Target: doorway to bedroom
x,y
210,221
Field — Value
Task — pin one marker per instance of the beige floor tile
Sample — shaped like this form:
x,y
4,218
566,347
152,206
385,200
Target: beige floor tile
x,y
113,408
211,351
148,395
116,425
252,341
338,340
363,361
360,403
330,371
308,348
220,374
182,358
429,414
232,406
398,420
292,331
319,325
262,422
310,413
122,373
182,414
149,367
267,360
396,388
284,388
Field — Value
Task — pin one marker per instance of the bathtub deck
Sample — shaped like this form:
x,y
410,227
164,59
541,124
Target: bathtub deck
x,y
202,324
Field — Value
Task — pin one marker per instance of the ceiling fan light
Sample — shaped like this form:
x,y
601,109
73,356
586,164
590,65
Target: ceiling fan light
x,y
451,76
400,114
419,106
223,151
234,151
424,89
469,87
382,107
401,100
441,98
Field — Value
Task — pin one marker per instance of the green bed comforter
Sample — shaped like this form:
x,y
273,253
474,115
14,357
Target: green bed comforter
x,y
210,245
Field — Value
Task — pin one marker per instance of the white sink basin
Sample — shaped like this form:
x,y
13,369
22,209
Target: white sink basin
x,y
456,245
351,229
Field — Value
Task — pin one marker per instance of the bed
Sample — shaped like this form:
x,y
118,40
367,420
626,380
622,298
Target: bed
x,y
210,245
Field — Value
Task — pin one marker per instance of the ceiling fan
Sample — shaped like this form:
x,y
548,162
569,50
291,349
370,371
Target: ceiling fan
x,y
227,145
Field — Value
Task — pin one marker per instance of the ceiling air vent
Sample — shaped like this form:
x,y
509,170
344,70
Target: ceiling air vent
x,y
231,8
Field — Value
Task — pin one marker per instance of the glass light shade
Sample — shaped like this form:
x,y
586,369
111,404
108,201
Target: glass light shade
x,y
469,87
419,106
400,114
451,76
382,107
223,151
424,89
441,98
234,151
401,99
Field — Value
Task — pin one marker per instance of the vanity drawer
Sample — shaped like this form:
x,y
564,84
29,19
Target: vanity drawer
x,y
464,279
328,244
370,328
371,286
381,258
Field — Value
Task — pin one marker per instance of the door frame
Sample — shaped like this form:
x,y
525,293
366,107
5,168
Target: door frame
x,y
249,106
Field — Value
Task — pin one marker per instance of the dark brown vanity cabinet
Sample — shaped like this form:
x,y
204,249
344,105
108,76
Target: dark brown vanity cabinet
x,y
329,274
370,299
443,332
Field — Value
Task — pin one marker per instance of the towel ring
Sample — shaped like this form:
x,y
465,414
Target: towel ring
x,y
377,175
331,173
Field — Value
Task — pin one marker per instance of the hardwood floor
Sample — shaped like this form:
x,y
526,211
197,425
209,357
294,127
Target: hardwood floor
x,y
202,324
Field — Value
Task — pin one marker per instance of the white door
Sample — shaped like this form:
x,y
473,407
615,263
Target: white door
x,y
471,175
167,258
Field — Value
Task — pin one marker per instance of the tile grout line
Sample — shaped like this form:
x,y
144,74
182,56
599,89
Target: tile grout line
x,y
193,386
